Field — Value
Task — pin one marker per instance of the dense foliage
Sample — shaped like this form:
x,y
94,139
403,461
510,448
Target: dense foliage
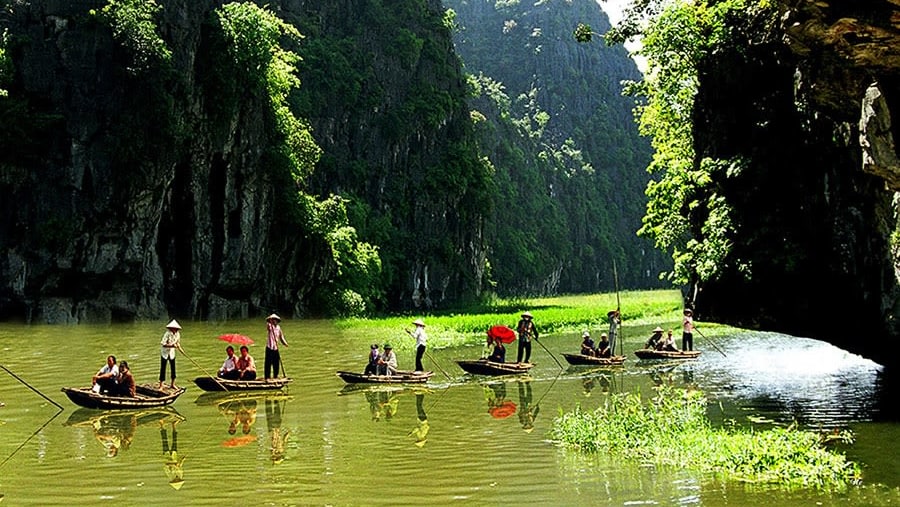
x,y
687,214
568,157
260,65
673,429
5,64
133,24
411,176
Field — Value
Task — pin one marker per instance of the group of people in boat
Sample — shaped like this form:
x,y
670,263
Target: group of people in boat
x,y
235,367
667,343
117,380
526,332
114,379
383,362
600,349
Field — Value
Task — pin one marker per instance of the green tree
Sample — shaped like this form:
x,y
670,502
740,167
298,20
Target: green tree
x,y
687,215
133,24
260,64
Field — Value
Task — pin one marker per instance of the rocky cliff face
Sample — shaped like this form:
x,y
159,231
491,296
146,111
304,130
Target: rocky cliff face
x,y
812,101
141,196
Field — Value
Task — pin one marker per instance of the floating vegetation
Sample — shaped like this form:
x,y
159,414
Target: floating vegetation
x,y
673,429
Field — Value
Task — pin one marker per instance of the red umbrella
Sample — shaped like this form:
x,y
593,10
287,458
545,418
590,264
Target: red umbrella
x,y
503,410
237,339
505,334
239,441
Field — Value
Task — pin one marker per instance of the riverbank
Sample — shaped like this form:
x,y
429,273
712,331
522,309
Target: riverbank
x,y
552,315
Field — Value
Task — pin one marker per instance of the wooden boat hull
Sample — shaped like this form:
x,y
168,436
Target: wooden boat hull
x,y
401,377
145,396
485,367
666,354
220,384
581,359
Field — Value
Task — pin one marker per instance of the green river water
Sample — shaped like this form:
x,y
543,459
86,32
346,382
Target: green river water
x,y
462,440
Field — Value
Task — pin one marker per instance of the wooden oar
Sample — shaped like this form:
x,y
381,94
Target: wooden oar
x,y
26,384
711,342
438,365
432,358
619,337
54,416
550,354
214,377
281,362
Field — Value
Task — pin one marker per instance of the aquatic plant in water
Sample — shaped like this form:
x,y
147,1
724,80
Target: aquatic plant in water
x,y
673,429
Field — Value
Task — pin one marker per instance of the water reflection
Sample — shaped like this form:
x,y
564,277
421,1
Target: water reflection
x,y
497,405
527,411
420,431
278,438
115,431
174,464
342,445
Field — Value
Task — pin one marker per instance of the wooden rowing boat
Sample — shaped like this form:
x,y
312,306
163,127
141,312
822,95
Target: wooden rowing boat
x,y
399,377
581,359
485,367
220,384
146,395
666,354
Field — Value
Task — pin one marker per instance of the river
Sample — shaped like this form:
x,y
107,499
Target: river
x,y
460,440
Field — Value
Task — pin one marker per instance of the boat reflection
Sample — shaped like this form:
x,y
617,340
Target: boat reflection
x,y
115,430
240,410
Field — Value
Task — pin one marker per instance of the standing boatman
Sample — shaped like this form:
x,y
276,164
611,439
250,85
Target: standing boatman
x,y
274,335
687,330
527,331
171,341
615,320
421,342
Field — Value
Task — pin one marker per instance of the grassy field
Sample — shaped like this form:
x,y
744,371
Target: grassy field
x,y
640,309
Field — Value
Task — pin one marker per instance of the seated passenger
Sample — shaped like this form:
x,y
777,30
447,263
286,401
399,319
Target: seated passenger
x,y
125,381
655,341
587,344
603,349
498,354
105,379
229,367
669,343
246,366
372,365
387,363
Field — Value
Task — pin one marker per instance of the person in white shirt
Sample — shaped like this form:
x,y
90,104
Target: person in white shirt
x,y
229,367
105,379
669,343
171,341
421,342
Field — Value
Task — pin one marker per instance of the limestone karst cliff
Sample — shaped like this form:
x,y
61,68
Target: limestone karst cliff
x,y
133,190
811,102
